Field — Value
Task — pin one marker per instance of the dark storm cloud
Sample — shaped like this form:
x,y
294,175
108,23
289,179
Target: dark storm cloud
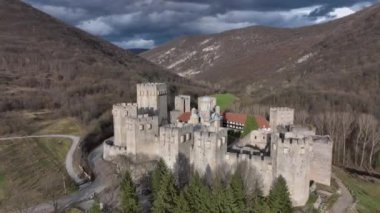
x,y
146,23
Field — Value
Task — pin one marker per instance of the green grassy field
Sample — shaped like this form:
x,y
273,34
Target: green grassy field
x,y
366,192
224,100
32,171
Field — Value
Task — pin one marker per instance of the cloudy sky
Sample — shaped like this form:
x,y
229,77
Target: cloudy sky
x,y
148,23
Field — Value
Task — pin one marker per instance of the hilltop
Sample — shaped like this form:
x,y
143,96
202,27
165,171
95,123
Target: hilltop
x,y
333,64
48,65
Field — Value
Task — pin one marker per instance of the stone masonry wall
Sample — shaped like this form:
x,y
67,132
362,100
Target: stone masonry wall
x,y
208,150
262,165
320,171
291,159
175,140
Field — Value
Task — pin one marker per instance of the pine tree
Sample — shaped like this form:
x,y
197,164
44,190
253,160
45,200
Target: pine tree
x,y
182,205
198,195
219,199
130,202
237,187
279,197
166,197
160,171
258,205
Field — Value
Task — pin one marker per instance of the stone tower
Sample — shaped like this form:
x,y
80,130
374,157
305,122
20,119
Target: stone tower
x,y
283,116
182,103
206,105
291,158
152,99
120,113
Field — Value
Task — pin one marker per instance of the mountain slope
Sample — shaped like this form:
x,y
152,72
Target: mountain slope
x,y
46,64
335,63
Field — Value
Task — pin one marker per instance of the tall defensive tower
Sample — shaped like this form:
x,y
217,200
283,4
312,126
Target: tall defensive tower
x,y
152,99
281,116
291,158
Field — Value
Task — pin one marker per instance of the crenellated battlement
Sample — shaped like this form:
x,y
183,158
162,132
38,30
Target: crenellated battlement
x,y
281,116
145,118
151,89
245,155
282,109
125,110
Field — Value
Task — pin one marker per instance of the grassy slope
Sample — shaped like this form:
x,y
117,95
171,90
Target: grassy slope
x,y
224,100
367,193
33,170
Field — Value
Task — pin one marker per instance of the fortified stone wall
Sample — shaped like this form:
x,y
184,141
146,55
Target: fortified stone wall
x,y
320,171
281,116
208,150
261,164
142,135
174,141
111,151
295,152
291,159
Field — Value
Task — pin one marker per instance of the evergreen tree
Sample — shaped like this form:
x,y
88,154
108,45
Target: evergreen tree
x,y
237,187
250,124
221,199
160,171
198,195
258,205
182,206
129,199
279,197
166,197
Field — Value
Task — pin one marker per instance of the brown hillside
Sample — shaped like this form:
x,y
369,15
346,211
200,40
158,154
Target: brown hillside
x,y
331,64
46,64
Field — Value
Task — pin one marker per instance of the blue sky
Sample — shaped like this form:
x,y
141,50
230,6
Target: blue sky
x,y
149,23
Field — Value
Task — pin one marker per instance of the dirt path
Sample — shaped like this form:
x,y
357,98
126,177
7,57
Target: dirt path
x,y
69,162
345,202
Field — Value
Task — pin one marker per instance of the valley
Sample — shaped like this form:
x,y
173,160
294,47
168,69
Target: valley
x,y
65,84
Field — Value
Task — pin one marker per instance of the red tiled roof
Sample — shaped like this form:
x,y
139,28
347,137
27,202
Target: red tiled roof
x,y
241,118
184,117
261,122
235,117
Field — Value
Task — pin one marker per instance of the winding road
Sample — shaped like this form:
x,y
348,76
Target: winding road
x,y
345,202
102,170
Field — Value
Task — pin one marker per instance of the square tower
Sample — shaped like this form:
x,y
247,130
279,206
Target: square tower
x,y
281,116
152,99
182,103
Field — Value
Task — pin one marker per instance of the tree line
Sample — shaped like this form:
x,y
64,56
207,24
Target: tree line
x,y
199,196
356,136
